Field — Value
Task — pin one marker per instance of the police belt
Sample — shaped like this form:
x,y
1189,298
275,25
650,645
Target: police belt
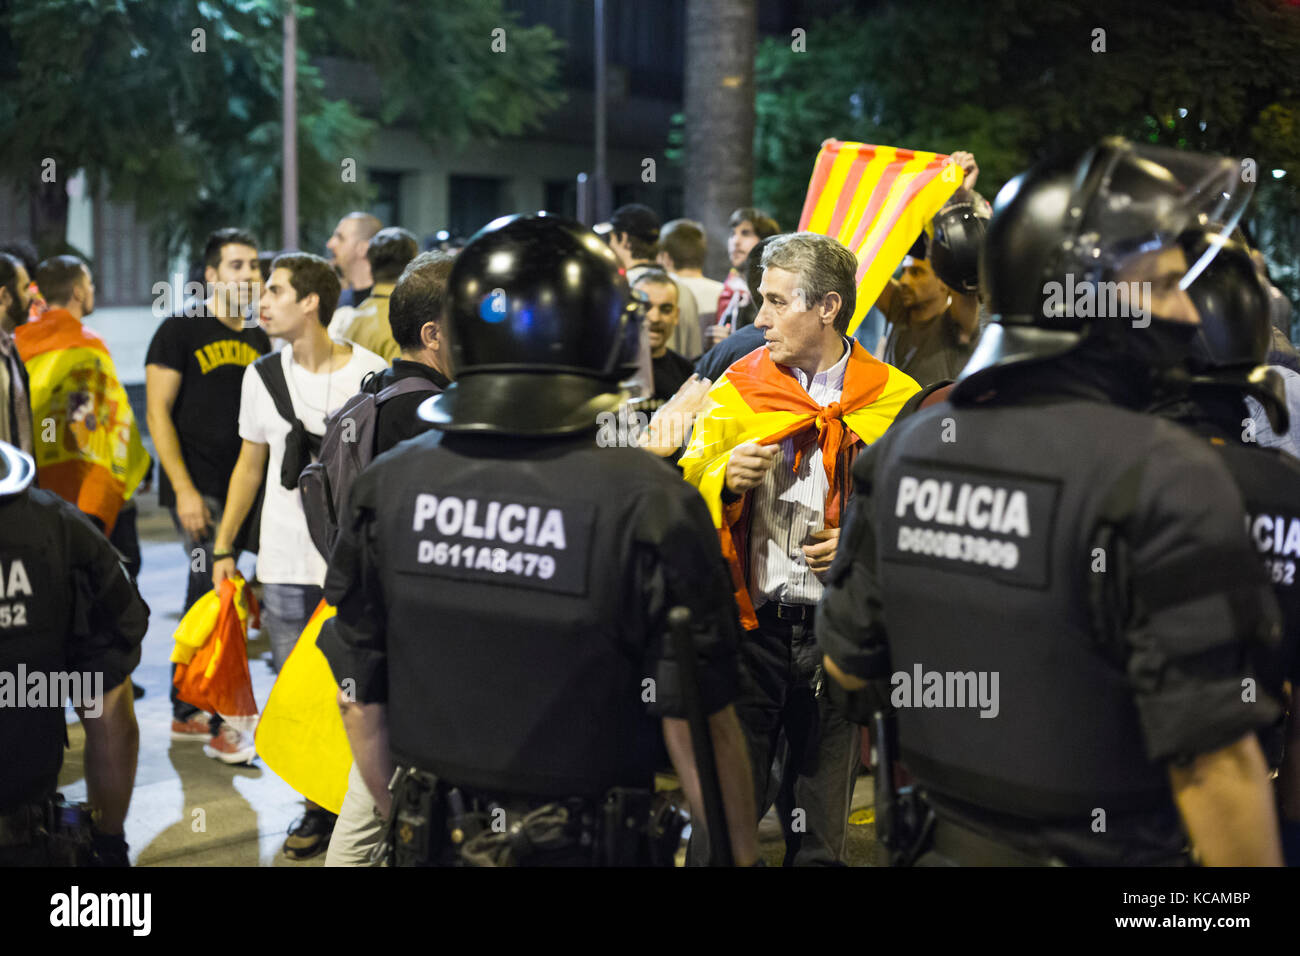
x,y
63,828
22,826
435,823
967,848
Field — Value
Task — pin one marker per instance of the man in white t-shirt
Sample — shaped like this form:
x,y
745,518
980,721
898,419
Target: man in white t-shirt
x,y
296,304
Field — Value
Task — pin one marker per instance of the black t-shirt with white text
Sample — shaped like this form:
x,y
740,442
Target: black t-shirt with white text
x,y
211,359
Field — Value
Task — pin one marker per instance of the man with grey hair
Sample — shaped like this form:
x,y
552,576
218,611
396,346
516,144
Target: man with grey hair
x,y
773,458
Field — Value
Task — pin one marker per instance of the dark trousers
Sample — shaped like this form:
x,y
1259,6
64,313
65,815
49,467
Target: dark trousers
x,y
198,556
780,669
126,539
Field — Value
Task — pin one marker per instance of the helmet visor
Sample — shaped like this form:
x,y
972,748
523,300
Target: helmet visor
x,y
632,362
1131,199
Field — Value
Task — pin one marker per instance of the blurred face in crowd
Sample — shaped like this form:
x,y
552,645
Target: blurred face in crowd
x,y
739,243
661,315
1163,269
237,279
84,292
281,312
918,284
622,248
346,245
797,331
15,301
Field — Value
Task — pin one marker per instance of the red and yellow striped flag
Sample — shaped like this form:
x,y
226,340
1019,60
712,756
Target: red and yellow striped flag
x,y
875,200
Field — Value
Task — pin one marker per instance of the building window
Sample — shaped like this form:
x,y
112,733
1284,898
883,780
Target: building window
x,y
473,202
562,198
387,205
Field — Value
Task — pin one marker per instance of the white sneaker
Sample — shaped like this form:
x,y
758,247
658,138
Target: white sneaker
x,y
230,746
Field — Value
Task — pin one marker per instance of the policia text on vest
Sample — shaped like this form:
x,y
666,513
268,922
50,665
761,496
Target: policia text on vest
x,y
456,535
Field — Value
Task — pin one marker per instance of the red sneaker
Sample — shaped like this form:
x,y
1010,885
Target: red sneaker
x,y
230,746
196,728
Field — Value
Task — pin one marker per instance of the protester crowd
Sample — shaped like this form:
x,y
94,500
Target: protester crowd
x,y
232,435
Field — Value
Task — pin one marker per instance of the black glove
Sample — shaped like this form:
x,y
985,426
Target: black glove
x,y
108,850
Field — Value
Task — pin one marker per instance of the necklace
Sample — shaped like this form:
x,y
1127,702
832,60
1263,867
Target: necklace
x,y
329,378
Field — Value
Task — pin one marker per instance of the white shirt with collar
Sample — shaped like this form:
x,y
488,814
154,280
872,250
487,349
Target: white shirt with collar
x,y
788,507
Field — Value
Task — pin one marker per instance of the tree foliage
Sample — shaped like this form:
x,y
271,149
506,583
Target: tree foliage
x,y
456,70
187,126
1016,80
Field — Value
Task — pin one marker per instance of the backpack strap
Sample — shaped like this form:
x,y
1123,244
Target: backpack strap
x,y
271,371
405,386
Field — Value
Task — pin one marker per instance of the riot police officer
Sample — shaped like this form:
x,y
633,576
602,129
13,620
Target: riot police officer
x,y
1086,687
71,623
503,586
1226,365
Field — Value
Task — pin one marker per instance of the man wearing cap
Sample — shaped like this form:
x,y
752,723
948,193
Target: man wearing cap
x,y
632,233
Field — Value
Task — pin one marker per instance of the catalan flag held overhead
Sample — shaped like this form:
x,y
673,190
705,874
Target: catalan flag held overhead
x,y
875,200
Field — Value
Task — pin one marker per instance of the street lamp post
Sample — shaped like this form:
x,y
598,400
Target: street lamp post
x,y
601,184
289,122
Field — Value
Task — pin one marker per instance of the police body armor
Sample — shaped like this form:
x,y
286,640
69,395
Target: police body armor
x,y
37,605
511,548
40,604
1226,364
526,679
1003,524
1269,481
1007,519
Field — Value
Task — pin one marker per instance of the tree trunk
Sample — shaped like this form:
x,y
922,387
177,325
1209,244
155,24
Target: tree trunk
x,y
720,47
48,217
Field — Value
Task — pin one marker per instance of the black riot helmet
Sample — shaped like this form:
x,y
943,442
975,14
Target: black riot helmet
x,y
16,470
955,249
1062,236
1232,343
542,329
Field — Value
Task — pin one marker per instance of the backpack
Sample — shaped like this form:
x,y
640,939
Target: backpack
x,y
347,447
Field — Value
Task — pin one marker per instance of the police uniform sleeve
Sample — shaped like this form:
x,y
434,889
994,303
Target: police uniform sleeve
x,y
354,641
850,623
679,562
109,617
1200,608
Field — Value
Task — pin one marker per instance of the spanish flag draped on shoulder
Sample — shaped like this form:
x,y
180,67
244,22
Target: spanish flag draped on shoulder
x,y
876,200
756,400
96,458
